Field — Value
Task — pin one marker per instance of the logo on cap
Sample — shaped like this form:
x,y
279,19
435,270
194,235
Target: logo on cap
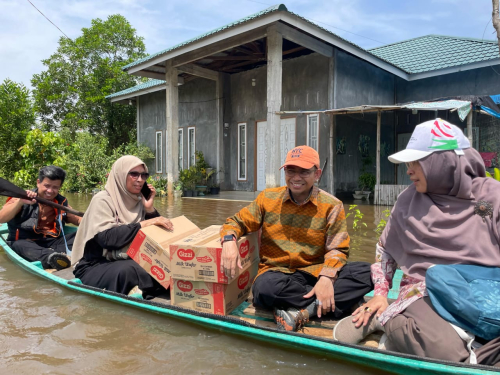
x,y
445,144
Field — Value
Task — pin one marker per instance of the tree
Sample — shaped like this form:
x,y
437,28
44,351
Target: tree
x,y
496,20
17,116
71,92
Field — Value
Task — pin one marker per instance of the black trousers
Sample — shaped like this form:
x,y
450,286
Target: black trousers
x,y
281,290
118,276
41,249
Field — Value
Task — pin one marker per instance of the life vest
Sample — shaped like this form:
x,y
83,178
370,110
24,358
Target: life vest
x,y
24,225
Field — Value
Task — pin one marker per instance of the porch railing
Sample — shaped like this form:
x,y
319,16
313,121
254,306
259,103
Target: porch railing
x,y
387,194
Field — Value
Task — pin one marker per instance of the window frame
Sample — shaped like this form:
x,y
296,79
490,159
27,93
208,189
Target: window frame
x,y
189,145
317,130
181,149
160,154
245,177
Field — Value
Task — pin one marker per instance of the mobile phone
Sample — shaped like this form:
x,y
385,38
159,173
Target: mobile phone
x,y
146,191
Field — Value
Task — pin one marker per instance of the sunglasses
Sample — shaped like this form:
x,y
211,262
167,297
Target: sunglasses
x,y
135,175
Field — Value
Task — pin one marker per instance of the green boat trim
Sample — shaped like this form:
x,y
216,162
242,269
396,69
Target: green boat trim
x,y
388,361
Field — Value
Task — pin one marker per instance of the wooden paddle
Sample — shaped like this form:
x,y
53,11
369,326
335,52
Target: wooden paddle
x,y
8,189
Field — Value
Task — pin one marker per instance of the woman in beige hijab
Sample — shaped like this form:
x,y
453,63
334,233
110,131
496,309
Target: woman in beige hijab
x,y
111,222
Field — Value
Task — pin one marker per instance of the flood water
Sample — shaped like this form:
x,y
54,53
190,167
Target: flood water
x,y
46,329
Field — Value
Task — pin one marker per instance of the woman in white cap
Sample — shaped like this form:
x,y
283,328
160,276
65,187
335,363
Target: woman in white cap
x,y
449,215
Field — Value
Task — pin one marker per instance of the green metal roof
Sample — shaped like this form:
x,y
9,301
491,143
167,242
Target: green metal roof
x,y
433,52
143,86
274,8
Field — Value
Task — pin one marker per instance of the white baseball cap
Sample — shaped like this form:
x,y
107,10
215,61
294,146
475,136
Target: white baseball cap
x,y
431,136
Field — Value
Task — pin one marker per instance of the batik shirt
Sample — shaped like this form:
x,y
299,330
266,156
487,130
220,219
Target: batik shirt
x,y
310,237
411,289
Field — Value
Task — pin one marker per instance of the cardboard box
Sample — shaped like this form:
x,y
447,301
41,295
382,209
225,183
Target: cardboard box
x,y
150,247
198,257
213,298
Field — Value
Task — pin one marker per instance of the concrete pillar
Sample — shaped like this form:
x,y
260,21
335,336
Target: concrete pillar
x,y
377,173
138,118
172,125
469,129
219,95
274,88
332,154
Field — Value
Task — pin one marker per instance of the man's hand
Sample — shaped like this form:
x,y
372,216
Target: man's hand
x,y
30,194
324,294
230,258
148,204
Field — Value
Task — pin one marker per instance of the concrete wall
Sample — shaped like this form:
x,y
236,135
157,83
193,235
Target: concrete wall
x,y
197,108
151,119
358,82
305,82
483,81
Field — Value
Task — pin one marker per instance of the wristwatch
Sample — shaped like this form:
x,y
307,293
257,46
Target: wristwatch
x,y
228,237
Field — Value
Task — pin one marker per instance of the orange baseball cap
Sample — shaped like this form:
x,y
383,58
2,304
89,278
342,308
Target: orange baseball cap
x,y
303,157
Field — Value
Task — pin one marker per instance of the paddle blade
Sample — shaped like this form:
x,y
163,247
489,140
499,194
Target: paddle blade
x,y
8,189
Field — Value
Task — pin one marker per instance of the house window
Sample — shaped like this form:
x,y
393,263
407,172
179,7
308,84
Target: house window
x,y
312,131
242,151
191,146
159,152
181,149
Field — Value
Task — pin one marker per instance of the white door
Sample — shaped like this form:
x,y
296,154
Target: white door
x,y
261,155
287,142
403,178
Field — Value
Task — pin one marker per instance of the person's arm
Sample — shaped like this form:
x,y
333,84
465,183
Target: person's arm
x,y
336,253
248,219
383,271
118,237
73,219
336,243
12,207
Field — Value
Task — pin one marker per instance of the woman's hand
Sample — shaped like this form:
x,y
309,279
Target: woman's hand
x,y
148,203
159,221
376,305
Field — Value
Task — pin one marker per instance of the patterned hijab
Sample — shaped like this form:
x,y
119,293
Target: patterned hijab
x,y
110,208
455,222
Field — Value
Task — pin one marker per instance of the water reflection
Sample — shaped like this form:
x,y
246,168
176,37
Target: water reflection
x,y
48,329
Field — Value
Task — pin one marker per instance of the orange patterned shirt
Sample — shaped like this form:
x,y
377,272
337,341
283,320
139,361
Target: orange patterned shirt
x,y
311,237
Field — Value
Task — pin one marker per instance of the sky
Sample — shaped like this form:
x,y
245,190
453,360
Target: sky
x,y
26,37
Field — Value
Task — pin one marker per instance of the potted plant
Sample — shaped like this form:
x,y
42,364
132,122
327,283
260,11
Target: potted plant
x,y
212,184
366,182
188,178
177,189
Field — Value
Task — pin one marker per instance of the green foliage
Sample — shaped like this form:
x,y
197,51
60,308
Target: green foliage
x,y
367,181
159,183
496,174
71,93
85,158
188,177
358,217
383,222
17,117
40,149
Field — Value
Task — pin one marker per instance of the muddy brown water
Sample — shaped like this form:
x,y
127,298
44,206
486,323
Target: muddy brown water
x,y
47,329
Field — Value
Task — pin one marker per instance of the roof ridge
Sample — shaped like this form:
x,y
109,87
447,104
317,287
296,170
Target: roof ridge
x,y
434,36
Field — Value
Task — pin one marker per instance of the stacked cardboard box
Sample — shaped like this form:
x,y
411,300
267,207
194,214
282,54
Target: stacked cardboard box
x,y
198,283
150,248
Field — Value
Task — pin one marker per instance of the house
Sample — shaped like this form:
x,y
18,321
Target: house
x,y
246,93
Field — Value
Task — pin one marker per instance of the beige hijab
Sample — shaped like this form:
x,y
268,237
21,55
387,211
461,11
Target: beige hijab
x,y
110,208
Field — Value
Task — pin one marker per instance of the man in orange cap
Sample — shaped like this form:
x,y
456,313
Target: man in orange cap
x,y
303,268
